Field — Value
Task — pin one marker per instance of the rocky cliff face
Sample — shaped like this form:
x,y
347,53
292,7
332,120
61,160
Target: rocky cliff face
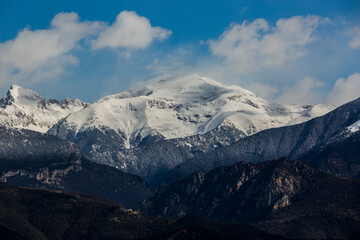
x,y
270,194
243,192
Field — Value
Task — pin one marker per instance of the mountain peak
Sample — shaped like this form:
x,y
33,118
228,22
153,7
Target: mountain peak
x,y
16,87
196,88
22,96
182,106
191,79
24,108
188,88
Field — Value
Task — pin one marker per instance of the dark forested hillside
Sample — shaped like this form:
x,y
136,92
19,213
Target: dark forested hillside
x,y
38,160
42,214
282,196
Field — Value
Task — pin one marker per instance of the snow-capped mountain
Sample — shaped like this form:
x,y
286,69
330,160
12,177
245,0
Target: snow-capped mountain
x,y
149,130
185,106
24,108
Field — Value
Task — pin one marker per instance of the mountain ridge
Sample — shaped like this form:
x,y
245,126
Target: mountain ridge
x,y
185,106
187,114
27,213
291,141
25,109
33,159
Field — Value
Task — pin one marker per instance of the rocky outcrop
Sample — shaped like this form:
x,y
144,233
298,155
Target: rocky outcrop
x,y
243,192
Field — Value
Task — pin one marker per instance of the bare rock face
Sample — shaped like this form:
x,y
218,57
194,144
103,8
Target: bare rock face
x,y
273,195
243,192
43,177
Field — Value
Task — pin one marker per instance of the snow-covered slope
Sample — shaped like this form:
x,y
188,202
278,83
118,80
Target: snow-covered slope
x,y
24,108
185,106
354,127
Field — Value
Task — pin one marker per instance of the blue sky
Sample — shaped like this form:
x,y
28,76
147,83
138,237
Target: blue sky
x,y
286,51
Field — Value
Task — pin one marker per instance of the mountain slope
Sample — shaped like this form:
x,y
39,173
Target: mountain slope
x,y
43,214
190,112
282,196
341,157
292,141
32,159
24,108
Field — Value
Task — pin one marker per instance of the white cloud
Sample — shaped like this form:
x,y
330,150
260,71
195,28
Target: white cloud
x,y
345,90
254,45
355,41
302,92
130,31
42,54
174,62
263,90
38,55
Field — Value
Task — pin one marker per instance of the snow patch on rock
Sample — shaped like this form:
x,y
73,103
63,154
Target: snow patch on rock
x,y
354,127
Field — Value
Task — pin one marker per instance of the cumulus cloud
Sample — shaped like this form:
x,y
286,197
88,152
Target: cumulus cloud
x,y
302,92
250,46
39,54
345,90
130,31
355,41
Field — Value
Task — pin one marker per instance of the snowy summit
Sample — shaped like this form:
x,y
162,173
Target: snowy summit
x,y
184,106
24,108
